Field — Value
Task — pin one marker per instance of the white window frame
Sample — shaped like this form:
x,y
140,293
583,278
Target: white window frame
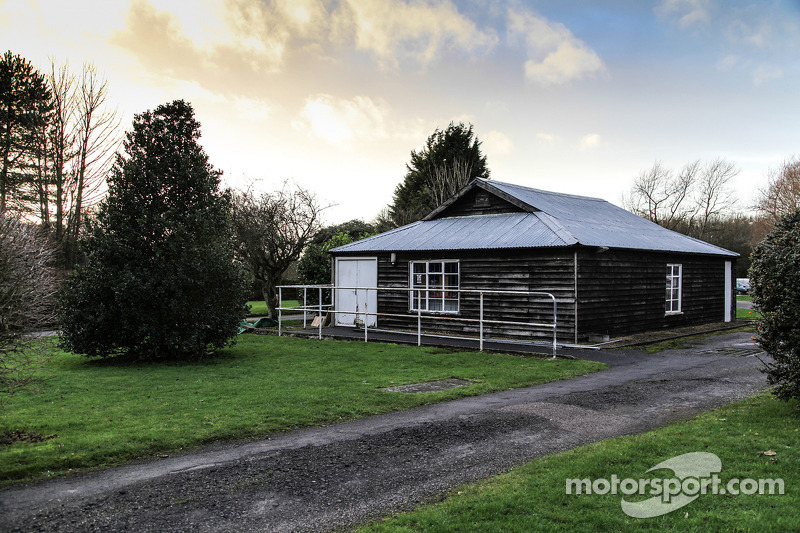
x,y
431,294
674,289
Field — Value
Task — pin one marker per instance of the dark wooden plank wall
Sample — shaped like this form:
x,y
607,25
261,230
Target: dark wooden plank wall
x,y
623,292
465,205
505,270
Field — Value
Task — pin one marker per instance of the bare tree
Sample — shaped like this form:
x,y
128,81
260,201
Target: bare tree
x,y
61,136
781,195
659,195
96,140
686,201
449,177
714,196
27,292
271,232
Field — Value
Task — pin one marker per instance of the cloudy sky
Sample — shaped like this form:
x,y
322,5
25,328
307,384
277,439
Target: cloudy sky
x,y
570,96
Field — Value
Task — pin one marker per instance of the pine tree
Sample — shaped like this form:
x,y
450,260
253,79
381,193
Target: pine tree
x,y
25,109
161,280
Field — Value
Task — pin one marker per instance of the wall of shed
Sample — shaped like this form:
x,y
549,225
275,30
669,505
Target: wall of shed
x,y
623,292
511,270
619,292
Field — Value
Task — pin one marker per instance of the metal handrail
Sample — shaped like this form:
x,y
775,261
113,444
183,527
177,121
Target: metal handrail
x,y
365,313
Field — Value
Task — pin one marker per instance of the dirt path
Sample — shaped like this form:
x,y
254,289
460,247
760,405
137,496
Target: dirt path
x,y
323,478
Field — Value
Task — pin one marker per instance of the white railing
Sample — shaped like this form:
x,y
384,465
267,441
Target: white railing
x,y
481,320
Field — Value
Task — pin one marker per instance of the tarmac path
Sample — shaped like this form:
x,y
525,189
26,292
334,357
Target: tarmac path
x,y
321,479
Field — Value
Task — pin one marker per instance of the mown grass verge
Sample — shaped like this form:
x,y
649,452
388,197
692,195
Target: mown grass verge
x,y
534,498
103,414
260,308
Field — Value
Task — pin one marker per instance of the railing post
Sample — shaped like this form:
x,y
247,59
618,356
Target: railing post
x,y
305,303
366,324
280,311
419,318
319,335
480,322
555,325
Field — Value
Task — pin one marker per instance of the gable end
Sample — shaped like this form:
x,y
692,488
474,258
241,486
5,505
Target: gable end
x,y
478,199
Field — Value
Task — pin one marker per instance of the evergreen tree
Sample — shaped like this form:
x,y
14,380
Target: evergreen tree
x,y
25,109
161,281
775,287
448,161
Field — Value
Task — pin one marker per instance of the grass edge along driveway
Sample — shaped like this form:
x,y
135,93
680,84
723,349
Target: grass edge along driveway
x,y
757,438
99,414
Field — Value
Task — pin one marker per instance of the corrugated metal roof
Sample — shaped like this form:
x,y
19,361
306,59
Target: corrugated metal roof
x,y
512,230
555,220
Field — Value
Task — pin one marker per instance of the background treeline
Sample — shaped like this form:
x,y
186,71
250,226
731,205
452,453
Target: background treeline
x,y
58,136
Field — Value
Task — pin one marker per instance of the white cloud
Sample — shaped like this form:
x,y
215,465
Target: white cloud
x,y
392,30
497,143
753,32
548,138
727,63
765,74
556,56
343,123
688,13
590,141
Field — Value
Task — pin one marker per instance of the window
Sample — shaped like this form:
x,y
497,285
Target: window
x,y
437,282
674,288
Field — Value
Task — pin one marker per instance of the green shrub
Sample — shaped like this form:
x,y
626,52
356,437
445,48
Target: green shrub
x,y
775,287
161,281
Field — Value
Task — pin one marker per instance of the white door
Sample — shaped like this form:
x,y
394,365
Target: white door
x,y
351,302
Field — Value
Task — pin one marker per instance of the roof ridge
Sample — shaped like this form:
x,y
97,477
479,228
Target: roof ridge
x,y
556,227
541,191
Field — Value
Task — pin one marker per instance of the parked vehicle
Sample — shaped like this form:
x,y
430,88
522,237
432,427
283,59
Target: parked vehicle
x,y
742,285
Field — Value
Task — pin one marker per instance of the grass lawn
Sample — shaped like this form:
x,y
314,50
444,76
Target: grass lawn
x,y
533,497
747,313
105,414
259,307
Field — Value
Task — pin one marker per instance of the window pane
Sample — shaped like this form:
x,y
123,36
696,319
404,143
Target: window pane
x,y
435,304
451,281
435,280
434,267
451,268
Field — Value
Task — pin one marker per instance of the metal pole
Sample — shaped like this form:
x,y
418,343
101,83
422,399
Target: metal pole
x,y
280,311
481,322
319,335
419,318
555,325
305,300
366,325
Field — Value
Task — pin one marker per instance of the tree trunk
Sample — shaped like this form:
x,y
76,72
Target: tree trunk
x,y
270,294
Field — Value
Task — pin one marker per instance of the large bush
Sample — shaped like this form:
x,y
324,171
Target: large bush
x,y
161,280
775,286
27,300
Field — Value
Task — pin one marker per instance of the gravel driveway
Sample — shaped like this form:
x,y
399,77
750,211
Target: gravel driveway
x,y
324,478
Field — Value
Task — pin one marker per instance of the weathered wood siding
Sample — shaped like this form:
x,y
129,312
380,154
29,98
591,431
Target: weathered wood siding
x,y
619,292
469,205
623,292
503,270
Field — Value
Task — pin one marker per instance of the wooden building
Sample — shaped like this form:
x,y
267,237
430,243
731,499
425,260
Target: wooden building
x,y
611,272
